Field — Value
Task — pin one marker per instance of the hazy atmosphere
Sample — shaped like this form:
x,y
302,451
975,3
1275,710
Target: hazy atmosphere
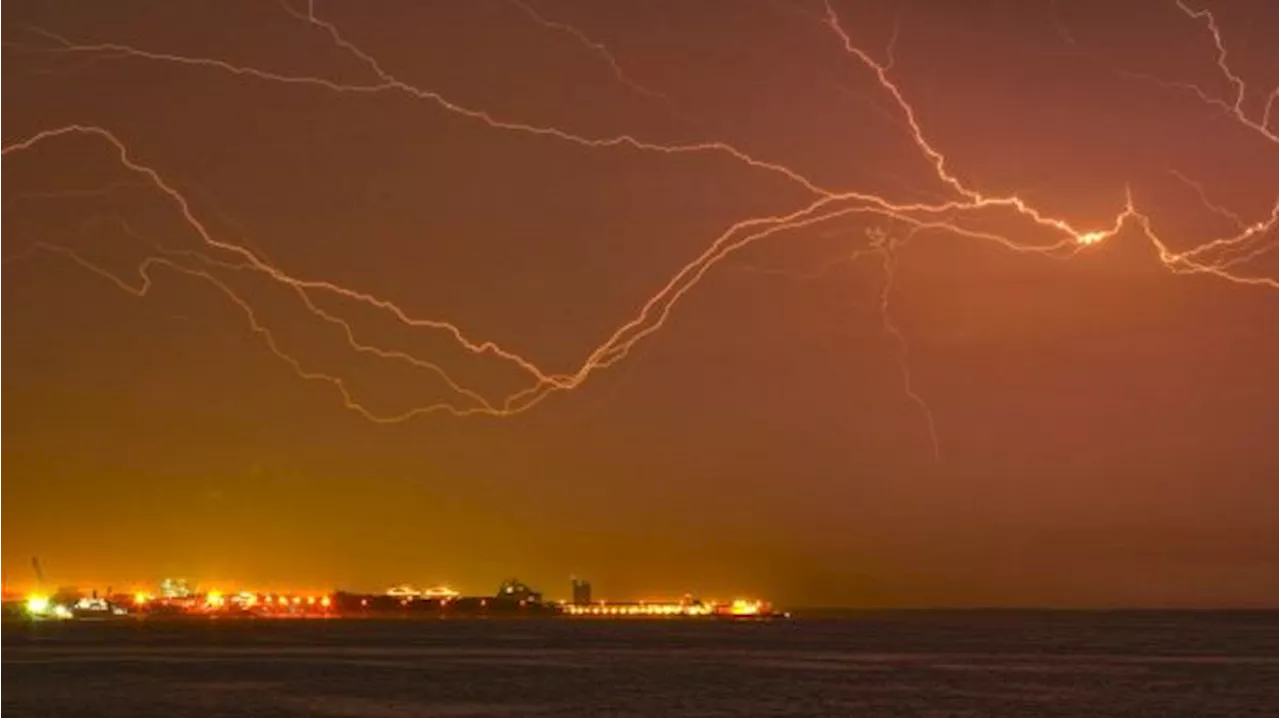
x,y
861,304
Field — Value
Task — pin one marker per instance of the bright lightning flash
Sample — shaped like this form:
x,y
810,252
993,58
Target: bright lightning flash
x,y
1220,257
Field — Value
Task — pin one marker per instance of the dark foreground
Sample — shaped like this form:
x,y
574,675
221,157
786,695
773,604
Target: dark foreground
x,y
877,664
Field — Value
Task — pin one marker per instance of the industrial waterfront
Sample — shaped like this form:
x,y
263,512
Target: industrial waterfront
x,y
178,599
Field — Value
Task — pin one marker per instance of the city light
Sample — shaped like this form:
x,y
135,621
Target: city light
x,y
235,603
741,608
37,605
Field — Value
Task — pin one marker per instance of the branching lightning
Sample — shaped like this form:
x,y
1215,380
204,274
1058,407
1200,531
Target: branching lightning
x,y
1235,106
596,47
1225,257
886,246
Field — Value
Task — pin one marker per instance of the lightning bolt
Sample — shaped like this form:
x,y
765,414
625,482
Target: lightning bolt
x,y
603,52
64,194
184,207
390,84
884,245
1234,106
1209,204
147,282
1060,27
1211,24
957,214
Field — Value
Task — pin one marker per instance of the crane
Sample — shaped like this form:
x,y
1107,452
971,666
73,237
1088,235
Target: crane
x,y
35,565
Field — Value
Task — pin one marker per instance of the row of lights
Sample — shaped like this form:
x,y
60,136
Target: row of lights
x,y
739,607
43,606
647,609
215,599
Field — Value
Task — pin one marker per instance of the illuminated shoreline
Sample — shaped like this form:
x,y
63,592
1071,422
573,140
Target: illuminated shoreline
x,y
394,604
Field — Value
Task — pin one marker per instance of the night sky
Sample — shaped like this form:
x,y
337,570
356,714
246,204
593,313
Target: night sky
x,y
919,392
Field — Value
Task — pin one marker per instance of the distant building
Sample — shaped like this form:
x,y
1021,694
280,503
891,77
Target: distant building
x,y
514,590
404,591
67,595
581,591
409,592
175,588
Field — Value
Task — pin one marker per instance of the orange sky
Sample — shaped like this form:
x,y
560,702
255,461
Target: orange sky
x,y
1103,423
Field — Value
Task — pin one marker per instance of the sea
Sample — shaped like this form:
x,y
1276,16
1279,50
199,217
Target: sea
x,y
866,664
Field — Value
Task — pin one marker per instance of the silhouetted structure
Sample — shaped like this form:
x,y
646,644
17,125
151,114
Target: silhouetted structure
x,y
581,591
513,590
355,605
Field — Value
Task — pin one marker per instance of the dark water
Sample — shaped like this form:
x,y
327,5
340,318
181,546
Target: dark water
x,y
879,664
